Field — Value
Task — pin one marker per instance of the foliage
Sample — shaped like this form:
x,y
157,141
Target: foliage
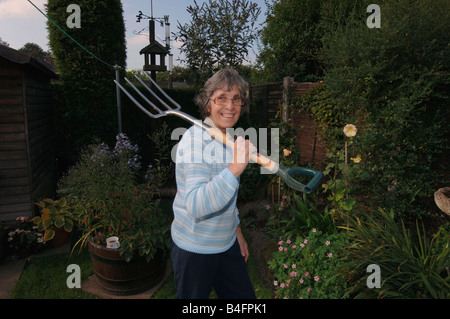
x,y
310,268
412,265
88,90
24,234
220,33
389,82
111,198
37,52
54,213
290,40
297,216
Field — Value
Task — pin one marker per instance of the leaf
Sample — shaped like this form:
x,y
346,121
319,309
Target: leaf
x,y
59,221
49,234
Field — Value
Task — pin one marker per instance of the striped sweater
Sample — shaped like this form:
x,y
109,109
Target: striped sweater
x,y
205,212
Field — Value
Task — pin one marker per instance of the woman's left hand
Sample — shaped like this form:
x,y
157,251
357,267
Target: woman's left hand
x,y
242,243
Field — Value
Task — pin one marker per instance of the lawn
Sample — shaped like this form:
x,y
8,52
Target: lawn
x,y
45,277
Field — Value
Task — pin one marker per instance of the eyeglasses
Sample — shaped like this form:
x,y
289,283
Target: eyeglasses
x,y
223,101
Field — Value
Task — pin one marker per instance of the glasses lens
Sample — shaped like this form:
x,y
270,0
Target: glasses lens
x,y
223,101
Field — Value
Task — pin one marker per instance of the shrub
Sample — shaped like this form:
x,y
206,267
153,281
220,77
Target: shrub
x,y
411,265
310,267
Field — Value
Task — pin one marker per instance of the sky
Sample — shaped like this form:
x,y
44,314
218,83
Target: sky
x,y
20,23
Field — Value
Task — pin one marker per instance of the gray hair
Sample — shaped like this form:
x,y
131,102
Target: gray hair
x,y
227,77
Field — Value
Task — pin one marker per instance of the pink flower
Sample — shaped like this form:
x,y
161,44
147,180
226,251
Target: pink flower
x,y
282,285
280,248
285,249
316,278
302,245
294,266
300,281
293,274
294,246
327,243
308,290
305,241
285,266
280,242
330,255
306,274
314,230
288,241
275,283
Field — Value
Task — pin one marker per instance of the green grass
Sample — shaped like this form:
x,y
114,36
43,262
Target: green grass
x,y
45,278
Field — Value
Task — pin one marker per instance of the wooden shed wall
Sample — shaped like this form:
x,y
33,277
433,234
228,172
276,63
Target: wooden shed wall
x,y
26,159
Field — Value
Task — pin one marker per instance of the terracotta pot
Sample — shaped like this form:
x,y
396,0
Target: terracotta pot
x,y
61,237
119,277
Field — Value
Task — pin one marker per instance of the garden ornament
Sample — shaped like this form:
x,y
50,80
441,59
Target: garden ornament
x,y
286,174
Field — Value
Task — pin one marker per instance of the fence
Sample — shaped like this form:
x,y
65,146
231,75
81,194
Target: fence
x,y
266,100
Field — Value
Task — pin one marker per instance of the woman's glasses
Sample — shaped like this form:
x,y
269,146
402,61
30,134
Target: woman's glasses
x,y
223,101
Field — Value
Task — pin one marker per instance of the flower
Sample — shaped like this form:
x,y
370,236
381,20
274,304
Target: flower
x,y
356,159
306,274
294,266
293,274
327,243
288,241
314,230
350,130
286,152
316,278
330,255
275,283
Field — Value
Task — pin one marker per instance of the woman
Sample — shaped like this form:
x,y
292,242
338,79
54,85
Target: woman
x,y
209,250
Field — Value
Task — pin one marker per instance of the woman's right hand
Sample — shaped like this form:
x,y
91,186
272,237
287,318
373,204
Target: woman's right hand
x,y
241,155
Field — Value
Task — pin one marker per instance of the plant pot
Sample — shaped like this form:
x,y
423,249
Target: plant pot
x,y
119,277
61,237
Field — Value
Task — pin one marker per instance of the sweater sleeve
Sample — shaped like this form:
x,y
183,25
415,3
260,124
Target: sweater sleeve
x,y
204,192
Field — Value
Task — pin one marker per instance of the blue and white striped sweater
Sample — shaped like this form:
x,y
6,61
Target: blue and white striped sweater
x,y
205,213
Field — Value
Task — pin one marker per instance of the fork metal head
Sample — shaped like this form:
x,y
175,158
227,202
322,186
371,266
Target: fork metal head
x,y
160,112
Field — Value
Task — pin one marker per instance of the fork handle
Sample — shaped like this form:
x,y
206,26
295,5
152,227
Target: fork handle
x,y
255,157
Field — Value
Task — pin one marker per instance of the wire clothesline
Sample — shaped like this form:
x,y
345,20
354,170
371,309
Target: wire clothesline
x,y
71,38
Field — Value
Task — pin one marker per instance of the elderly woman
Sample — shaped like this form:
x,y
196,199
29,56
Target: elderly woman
x,y
209,250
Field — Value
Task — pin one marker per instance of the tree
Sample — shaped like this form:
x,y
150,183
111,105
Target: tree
x,y
37,52
220,33
293,36
87,108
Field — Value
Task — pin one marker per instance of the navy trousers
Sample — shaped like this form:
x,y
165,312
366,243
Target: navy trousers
x,y
196,274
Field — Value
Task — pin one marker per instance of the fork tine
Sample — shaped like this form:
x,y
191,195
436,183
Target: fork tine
x,y
163,93
143,96
137,103
155,95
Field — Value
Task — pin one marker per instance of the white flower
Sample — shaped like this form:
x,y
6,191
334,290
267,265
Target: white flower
x,y
350,130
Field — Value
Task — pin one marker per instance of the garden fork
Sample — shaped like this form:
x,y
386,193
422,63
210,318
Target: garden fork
x,y
286,174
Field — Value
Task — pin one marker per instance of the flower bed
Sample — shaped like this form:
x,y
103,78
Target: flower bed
x,y
309,267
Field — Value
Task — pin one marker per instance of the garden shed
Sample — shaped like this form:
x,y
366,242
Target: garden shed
x,y
27,160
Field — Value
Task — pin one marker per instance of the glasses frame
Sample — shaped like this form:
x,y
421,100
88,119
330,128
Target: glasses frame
x,y
227,99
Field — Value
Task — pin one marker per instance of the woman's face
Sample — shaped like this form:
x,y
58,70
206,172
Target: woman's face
x,y
224,114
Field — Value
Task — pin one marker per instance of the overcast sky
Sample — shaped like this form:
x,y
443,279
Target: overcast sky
x,y
20,23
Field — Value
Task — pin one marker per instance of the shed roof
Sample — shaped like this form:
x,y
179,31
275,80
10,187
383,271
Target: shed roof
x,y
17,57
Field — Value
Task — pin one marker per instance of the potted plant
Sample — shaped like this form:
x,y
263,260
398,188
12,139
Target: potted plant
x,y
56,220
24,237
111,198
